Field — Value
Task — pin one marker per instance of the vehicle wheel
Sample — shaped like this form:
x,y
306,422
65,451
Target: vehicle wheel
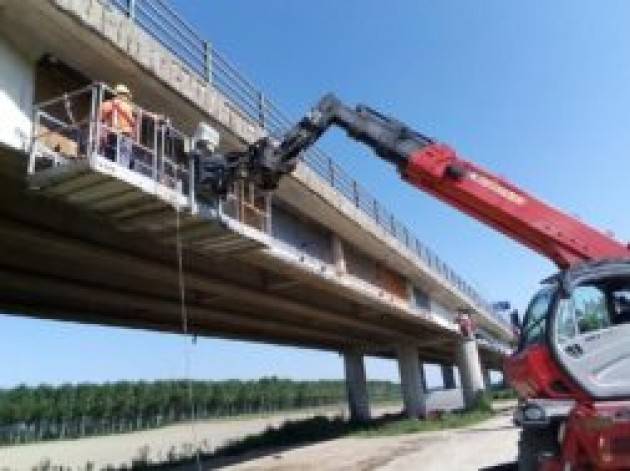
x,y
535,442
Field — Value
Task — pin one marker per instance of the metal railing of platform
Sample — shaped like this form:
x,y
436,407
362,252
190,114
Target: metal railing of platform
x,y
70,128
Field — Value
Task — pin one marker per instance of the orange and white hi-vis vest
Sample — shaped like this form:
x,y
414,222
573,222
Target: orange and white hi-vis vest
x,y
118,115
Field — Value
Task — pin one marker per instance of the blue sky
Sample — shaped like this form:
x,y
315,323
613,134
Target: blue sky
x,y
538,92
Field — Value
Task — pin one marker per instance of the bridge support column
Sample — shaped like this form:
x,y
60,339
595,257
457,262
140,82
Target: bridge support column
x,y
470,370
423,377
411,382
339,258
487,379
448,376
356,385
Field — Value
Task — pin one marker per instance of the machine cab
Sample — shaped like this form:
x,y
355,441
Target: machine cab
x,y
575,337
589,330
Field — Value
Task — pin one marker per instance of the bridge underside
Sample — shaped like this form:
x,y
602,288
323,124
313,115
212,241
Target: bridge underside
x,y
59,262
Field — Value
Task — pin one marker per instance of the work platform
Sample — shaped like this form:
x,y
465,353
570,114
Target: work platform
x,y
151,193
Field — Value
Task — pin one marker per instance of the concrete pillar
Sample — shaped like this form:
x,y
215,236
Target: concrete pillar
x,y
411,382
469,370
339,258
356,385
487,380
423,377
448,376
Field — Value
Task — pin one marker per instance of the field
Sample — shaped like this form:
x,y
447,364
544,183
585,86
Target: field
x,y
156,445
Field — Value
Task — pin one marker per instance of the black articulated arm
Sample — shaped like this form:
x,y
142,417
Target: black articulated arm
x,y
430,166
267,161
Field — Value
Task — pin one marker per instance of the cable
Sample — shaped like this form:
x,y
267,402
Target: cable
x,y
184,318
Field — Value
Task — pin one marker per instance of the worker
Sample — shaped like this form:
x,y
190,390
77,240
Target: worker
x,y
118,116
466,324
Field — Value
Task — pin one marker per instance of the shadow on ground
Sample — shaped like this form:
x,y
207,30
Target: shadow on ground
x,y
502,467
294,434
274,441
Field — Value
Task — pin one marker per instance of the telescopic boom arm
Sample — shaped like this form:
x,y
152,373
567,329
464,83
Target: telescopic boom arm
x,y
434,168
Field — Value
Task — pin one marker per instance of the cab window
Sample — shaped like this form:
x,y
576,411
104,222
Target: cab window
x,y
535,326
566,328
621,305
591,311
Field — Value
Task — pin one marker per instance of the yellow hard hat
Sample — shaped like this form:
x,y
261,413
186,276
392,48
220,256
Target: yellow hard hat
x,y
122,89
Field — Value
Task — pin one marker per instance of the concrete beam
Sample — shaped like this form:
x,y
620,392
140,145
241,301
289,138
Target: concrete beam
x,y
411,381
470,370
356,385
124,307
153,270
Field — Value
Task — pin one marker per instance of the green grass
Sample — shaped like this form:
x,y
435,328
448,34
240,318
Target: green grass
x,y
507,393
446,421
323,428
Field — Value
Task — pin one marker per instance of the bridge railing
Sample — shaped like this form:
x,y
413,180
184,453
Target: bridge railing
x,y
70,128
162,22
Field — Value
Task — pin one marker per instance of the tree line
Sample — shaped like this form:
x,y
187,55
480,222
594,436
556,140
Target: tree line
x,y
47,412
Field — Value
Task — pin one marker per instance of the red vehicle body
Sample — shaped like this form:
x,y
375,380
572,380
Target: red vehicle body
x,y
534,373
596,435
593,431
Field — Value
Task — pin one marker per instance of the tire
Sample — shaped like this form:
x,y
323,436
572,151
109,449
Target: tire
x,y
535,442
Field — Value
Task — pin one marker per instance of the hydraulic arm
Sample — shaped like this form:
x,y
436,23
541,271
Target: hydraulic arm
x,y
428,165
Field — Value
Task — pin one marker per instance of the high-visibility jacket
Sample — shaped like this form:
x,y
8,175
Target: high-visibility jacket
x,y
118,115
467,325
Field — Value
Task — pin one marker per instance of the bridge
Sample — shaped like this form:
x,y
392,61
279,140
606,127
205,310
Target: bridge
x,y
83,237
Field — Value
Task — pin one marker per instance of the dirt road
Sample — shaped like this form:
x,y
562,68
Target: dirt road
x,y
487,446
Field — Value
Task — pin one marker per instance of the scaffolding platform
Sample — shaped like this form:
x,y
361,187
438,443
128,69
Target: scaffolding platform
x,y
152,193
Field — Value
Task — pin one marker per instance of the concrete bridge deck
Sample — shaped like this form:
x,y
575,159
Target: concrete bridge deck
x,y
310,281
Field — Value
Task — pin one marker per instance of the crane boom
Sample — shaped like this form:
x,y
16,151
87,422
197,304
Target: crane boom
x,y
431,166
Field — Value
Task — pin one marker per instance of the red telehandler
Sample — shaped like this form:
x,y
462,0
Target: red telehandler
x,y
572,365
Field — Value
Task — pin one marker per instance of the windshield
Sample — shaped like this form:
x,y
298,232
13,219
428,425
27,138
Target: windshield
x,y
594,306
535,325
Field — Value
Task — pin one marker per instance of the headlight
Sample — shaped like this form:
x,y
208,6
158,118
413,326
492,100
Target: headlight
x,y
534,414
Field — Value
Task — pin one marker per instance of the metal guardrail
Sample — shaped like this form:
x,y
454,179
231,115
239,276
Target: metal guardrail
x,y
162,22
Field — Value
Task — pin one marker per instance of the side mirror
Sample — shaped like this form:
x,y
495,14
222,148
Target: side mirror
x,y
501,306
515,319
